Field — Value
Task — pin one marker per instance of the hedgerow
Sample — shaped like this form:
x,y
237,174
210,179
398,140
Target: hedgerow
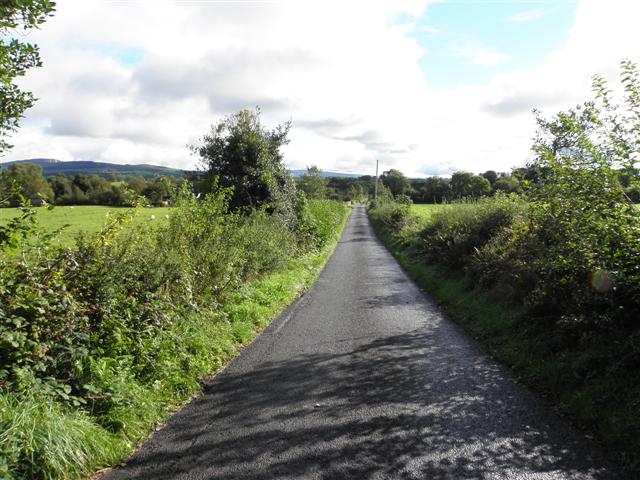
x,y
98,342
565,257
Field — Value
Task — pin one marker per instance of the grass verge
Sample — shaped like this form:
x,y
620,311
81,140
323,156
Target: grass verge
x,y
41,439
598,401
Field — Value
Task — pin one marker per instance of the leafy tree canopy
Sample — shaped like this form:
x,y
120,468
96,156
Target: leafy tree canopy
x,y
465,184
396,182
490,175
239,152
16,57
30,180
313,184
507,184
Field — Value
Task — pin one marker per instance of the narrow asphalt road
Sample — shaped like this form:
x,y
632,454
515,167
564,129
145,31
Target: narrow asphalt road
x,y
363,378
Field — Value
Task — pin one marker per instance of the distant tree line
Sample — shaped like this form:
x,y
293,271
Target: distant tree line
x,y
314,185
468,185
114,190
393,183
118,190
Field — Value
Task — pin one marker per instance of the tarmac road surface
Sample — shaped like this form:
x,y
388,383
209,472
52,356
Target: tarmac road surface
x,y
364,378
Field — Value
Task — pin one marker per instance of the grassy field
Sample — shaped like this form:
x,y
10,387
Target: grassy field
x,y
420,215
426,210
86,218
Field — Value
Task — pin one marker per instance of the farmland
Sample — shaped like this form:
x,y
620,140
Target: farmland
x,y
424,211
71,221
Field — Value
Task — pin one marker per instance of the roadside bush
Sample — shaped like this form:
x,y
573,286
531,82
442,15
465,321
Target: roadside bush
x,y
104,335
565,256
319,220
390,214
585,230
458,232
569,254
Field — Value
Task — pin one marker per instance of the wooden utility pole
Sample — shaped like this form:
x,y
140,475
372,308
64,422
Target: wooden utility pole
x,y
375,189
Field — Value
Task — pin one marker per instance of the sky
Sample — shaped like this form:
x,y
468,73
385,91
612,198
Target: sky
x,y
427,87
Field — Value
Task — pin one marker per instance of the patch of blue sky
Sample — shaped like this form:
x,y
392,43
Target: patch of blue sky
x,y
468,42
127,56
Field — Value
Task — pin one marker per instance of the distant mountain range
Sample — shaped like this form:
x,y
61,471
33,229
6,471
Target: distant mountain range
x,y
52,167
297,173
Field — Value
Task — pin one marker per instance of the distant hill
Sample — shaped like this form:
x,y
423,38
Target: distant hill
x,y
297,173
52,167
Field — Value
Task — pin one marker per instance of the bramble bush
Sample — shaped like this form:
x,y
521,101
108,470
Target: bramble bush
x,y
457,233
568,249
564,257
389,211
122,324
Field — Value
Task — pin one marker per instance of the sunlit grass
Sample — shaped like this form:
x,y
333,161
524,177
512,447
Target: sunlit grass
x,y
88,219
426,210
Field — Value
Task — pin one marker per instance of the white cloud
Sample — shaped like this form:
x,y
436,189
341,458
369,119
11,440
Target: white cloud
x,y
346,73
526,16
484,56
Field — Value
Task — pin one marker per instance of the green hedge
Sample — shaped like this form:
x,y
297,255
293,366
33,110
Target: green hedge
x,y
101,341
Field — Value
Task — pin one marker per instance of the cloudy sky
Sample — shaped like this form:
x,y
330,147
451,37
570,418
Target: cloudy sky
x,y
426,87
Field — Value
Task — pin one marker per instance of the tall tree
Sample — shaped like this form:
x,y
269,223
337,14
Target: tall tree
x,y
313,184
507,184
435,190
16,57
490,175
465,184
30,180
396,182
239,152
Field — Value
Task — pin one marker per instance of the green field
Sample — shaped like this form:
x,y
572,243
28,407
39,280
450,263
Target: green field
x,y
425,210
87,219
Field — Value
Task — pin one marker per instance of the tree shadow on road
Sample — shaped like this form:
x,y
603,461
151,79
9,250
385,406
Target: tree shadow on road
x,y
413,405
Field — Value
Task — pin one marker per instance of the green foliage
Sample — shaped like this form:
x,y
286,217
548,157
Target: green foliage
x,y
467,185
570,253
313,184
457,232
21,225
432,190
16,57
95,190
39,439
507,184
319,220
240,153
564,258
396,182
350,189
583,226
102,338
491,176
32,185
391,214
159,190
